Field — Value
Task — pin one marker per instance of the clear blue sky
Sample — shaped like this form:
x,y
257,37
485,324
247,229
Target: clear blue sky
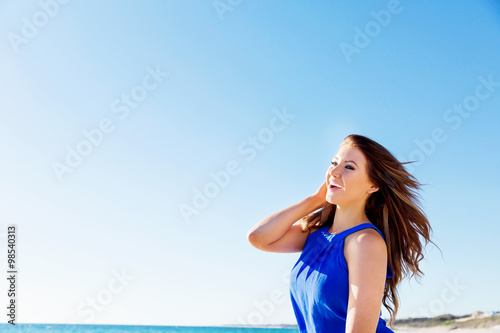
x,y
179,90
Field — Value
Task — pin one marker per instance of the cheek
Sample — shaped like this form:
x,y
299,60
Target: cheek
x,y
327,174
359,184
354,183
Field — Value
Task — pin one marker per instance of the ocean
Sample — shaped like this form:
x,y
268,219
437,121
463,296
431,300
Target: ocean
x,y
38,328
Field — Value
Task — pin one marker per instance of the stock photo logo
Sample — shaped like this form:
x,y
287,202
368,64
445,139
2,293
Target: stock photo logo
x,y
103,298
31,26
373,28
94,137
448,295
454,117
265,308
223,6
249,149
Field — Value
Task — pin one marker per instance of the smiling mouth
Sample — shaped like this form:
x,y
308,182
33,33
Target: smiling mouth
x,y
332,186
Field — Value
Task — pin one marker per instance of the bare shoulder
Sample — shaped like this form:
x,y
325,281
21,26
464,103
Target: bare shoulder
x,y
365,244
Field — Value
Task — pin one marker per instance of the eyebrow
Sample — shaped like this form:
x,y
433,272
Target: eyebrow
x,y
347,161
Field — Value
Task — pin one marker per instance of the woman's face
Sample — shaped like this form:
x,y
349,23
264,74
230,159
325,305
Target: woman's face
x,y
348,170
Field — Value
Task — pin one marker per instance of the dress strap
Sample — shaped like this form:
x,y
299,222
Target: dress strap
x,y
361,226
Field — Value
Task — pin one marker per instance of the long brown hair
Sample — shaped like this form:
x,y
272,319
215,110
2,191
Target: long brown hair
x,y
394,209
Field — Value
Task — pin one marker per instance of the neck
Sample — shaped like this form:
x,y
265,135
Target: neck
x,y
348,217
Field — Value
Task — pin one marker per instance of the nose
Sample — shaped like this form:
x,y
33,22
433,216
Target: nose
x,y
334,172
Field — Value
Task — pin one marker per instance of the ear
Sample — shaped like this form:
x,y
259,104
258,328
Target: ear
x,y
373,189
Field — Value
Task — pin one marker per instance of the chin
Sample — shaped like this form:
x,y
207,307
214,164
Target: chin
x,y
331,200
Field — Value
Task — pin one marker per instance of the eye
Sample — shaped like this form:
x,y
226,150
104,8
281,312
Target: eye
x,y
347,166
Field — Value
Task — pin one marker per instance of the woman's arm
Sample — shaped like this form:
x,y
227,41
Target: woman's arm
x,y
278,233
366,257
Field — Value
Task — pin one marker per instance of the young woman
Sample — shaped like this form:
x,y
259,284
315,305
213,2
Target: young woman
x,y
360,233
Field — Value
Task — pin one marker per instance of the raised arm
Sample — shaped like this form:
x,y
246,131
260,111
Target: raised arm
x,y
280,232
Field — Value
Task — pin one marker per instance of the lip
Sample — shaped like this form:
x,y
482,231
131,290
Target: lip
x,y
333,188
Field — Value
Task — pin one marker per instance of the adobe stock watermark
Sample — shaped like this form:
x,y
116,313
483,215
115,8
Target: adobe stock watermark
x,y
437,306
103,298
48,9
249,149
223,6
454,117
265,308
371,30
121,107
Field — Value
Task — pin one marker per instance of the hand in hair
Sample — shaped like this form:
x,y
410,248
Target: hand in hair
x,y
319,197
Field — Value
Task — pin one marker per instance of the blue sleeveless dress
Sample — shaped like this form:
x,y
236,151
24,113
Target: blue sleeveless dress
x,y
319,283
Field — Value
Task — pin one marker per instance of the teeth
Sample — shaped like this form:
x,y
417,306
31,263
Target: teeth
x,y
335,185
